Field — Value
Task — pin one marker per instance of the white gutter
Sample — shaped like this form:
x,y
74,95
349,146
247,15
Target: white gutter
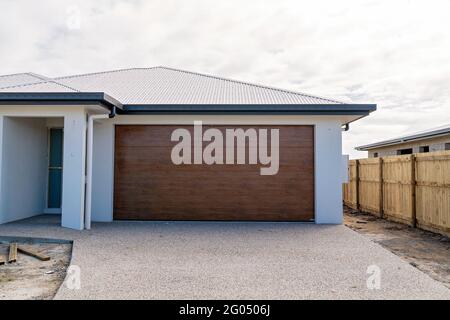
x,y
89,151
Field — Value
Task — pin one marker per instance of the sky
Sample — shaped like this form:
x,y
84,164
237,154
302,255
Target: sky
x,y
395,54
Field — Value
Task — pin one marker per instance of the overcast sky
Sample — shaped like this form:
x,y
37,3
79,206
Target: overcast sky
x,y
395,53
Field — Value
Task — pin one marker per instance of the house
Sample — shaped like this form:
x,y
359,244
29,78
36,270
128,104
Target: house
x,y
106,146
436,139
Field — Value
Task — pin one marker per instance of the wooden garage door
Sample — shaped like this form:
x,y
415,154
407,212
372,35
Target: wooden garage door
x,y
148,186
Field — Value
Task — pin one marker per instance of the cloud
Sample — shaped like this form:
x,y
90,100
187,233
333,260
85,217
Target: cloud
x,y
393,53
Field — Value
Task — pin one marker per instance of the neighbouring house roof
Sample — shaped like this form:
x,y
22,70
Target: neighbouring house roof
x,y
162,89
425,134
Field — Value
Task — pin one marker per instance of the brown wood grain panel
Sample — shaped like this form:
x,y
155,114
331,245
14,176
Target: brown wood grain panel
x,y
147,186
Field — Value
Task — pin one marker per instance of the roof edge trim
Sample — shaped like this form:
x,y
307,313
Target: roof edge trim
x,y
289,108
58,97
104,99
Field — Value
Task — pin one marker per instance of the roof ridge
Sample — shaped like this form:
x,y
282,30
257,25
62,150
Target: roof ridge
x,y
34,83
252,84
64,85
40,77
103,72
19,73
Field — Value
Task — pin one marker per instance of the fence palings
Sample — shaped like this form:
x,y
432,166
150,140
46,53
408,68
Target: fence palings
x,y
410,189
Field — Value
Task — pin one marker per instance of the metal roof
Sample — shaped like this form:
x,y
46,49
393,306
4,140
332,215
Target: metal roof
x,y
162,85
425,134
162,89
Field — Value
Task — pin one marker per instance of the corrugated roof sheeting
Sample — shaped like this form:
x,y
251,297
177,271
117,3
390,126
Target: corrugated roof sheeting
x,y
160,86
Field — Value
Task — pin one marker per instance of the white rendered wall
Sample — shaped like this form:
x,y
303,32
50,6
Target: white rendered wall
x,y
328,185
103,171
24,168
328,157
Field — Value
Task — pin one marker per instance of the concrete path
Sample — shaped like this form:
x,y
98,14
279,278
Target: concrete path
x,y
210,260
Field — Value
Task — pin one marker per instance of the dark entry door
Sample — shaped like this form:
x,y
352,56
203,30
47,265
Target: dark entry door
x,y
55,165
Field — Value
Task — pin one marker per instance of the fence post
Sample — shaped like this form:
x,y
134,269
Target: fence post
x,y
381,189
413,190
357,183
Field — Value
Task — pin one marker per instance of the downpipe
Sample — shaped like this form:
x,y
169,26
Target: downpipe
x,y
89,156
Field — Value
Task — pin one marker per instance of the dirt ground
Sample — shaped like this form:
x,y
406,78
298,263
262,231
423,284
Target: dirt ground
x,y
424,250
30,278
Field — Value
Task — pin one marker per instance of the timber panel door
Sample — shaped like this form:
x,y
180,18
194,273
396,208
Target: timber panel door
x,y
148,186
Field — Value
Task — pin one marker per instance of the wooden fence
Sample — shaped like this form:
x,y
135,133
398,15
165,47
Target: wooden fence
x,y
410,189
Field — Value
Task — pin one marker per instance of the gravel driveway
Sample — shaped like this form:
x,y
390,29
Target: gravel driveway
x,y
229,260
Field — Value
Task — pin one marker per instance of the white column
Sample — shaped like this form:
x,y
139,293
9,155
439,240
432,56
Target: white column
x,y
74,170
328,157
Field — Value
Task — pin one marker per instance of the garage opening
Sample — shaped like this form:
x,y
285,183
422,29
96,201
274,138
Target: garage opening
x,y
31,167
148,186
